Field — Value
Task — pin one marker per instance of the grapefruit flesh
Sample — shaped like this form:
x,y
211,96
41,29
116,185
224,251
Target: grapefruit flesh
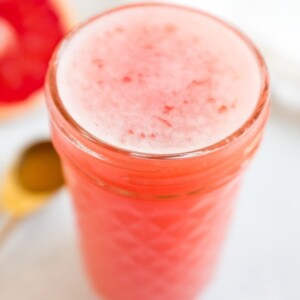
x,y
29,32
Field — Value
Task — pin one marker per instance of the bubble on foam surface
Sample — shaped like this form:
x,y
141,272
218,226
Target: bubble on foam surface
x,y
158,80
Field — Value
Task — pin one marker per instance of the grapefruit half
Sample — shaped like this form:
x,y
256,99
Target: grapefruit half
x,y
29,32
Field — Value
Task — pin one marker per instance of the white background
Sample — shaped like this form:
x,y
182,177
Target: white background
x,y
261,259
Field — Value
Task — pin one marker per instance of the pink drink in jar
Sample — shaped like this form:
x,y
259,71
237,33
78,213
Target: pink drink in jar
x,y
156,110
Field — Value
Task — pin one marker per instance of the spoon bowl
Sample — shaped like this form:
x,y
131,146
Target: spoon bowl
x,y
29,184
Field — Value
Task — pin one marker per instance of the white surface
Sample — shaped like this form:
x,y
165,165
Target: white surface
x,y
261,261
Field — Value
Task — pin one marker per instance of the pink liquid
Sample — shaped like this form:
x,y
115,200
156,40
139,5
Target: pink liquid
x,y
154,79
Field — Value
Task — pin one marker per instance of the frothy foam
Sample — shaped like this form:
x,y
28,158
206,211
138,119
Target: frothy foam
x,y
158,79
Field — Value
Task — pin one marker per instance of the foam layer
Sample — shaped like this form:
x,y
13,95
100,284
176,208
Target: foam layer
x,y
158,79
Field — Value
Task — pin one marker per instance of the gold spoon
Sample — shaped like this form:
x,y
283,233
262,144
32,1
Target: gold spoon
x,y
29,184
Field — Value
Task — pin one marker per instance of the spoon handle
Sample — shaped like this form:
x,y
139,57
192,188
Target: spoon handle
x,y
7,226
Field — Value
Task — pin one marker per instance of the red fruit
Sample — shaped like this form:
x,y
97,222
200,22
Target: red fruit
x,y
29,32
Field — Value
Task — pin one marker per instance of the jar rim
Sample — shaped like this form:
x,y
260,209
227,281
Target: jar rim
x,y
51,82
